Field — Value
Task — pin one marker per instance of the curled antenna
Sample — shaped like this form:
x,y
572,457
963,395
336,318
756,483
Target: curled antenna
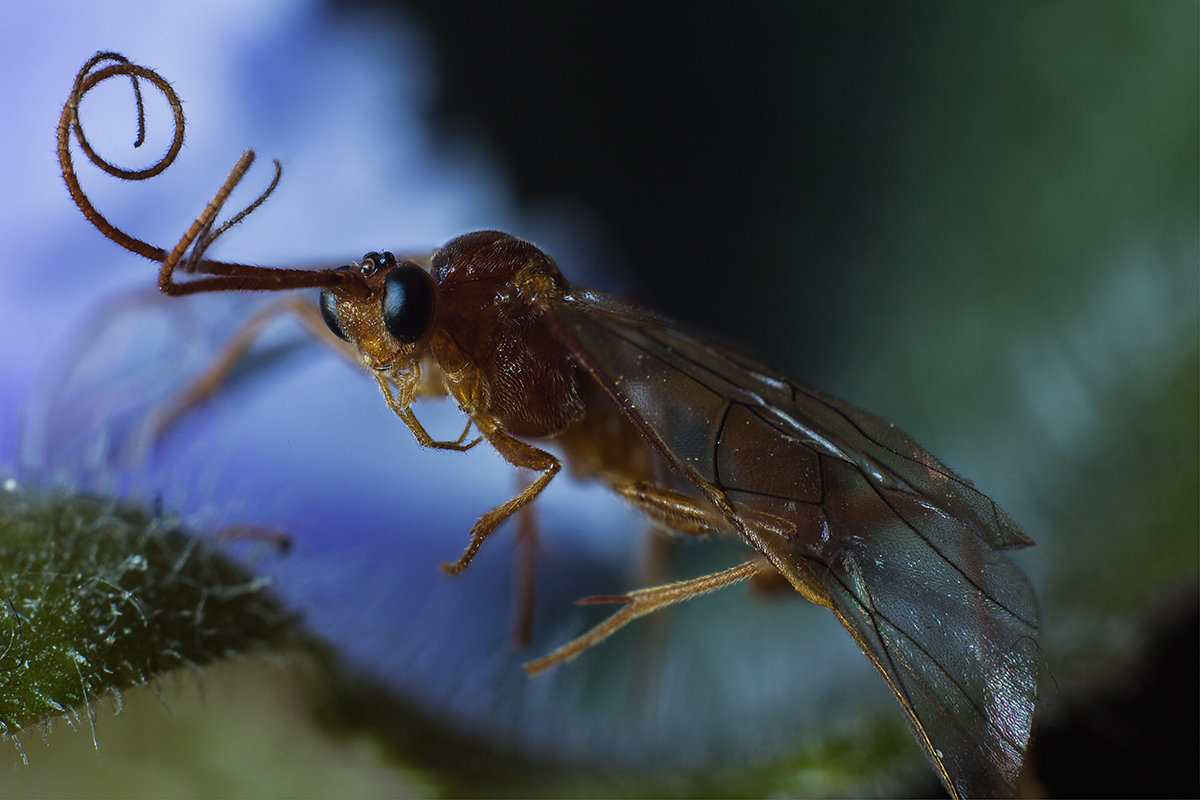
x,y
219,276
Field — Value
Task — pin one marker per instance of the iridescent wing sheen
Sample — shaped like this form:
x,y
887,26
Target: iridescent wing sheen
x,y
908,552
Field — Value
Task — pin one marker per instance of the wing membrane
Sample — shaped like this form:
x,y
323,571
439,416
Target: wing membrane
x,y
908,552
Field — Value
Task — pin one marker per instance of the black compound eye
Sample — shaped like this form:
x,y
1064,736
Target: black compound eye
x,y
329,312
407,302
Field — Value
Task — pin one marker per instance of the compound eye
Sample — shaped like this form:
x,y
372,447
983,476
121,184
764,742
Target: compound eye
x,y
408,297
330,315
329,312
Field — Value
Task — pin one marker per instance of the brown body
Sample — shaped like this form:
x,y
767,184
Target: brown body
x,y
490,338
491,348
843,505
500,358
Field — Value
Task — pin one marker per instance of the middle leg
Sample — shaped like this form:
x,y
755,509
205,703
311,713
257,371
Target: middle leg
x,y
519,454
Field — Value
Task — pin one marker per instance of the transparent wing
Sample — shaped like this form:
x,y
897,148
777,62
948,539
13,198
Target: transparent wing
x,y
908,551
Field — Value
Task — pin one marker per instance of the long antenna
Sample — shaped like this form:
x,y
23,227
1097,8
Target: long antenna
x,y
222,276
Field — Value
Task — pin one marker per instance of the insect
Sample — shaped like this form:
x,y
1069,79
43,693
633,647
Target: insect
x,y
849,510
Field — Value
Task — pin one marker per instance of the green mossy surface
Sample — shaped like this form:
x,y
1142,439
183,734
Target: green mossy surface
x,y
97,596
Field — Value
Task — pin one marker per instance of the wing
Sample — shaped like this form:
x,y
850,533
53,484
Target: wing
x,y
908,552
